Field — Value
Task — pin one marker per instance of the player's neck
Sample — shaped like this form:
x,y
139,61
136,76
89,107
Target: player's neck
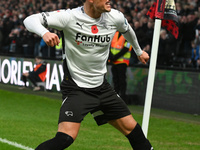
x,y
90,11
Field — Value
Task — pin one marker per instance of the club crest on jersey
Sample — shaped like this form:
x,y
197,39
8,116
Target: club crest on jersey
x,y
94,29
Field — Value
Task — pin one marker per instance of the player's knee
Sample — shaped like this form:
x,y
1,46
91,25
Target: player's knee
x,y
129,126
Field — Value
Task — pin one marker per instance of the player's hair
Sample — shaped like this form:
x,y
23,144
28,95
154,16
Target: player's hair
x,y
83,1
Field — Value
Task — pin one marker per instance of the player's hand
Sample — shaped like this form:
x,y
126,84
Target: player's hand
x,y
144,58
51,39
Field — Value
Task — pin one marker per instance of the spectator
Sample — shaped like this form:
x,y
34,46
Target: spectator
x,y
167,48
13,37
195,61
139,33
37,75
37,47
119,57
187,31
59,47
43,48
1,35
27,41
179,9
8,26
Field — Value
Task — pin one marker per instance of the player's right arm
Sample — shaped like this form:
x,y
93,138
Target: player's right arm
x,y
38,23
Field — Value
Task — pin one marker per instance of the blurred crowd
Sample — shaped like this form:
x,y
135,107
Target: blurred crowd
x,y
181,52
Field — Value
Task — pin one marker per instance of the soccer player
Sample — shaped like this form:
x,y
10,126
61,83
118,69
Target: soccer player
x,y
88,31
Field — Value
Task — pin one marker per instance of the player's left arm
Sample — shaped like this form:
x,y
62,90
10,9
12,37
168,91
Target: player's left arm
x,y
129,34
131,37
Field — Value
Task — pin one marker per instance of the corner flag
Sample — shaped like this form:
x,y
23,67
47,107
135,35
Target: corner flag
x,y
163,9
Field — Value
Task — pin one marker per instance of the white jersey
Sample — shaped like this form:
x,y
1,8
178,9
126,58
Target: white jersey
x,y
87,41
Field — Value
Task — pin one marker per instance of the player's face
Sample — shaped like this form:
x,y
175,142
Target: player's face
x,y
102,5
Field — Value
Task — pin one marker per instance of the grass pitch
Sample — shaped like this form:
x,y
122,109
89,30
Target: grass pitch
x,y
30,119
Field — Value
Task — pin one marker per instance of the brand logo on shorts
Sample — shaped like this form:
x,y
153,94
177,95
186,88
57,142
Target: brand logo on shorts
x,y
69,113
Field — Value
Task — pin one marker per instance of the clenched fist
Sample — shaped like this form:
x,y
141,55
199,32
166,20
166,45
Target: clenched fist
x,y
51,39
144,57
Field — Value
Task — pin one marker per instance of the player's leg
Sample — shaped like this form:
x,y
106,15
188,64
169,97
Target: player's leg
x,y
75,106
116,112
132,130
70,128
67,133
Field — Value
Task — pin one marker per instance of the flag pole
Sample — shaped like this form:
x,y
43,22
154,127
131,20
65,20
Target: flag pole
x,y
151,76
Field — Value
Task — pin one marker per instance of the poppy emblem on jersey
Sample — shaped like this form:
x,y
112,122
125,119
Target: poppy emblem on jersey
x,y
78,42
94,29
